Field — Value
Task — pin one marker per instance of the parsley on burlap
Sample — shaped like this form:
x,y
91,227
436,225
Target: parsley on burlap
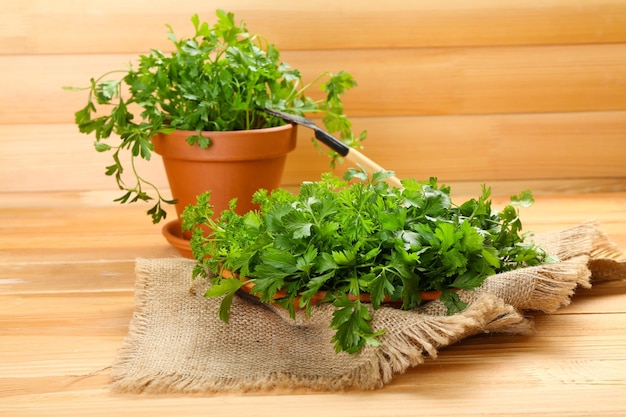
x,y
358,235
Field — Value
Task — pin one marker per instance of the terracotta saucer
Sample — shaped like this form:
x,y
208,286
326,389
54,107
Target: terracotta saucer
x,y
174,235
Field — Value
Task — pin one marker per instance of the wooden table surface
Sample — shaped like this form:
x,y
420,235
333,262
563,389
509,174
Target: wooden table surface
x,y
66,299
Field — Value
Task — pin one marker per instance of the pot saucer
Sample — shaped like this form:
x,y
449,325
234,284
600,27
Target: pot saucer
x,y
174,235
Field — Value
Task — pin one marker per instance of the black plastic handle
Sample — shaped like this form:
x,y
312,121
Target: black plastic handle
x,y
332,142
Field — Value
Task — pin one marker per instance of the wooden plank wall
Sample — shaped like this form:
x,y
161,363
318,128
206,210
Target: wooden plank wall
x,y
515,93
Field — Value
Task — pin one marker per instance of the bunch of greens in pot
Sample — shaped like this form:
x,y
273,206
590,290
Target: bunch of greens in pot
x,y
361,236
218,80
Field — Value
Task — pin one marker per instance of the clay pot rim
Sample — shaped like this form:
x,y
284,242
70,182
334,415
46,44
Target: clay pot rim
x,y
228,146
216,133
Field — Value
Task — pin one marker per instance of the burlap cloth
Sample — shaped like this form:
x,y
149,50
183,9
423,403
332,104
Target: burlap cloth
x,y
176,342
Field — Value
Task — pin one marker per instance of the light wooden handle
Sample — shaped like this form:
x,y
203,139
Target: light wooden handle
x,y
371,166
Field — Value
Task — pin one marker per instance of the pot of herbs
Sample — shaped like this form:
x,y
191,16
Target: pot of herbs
x,y
358,235
220,79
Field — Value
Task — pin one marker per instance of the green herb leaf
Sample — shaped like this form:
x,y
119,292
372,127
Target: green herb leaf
x,y
224,288
102,147
452,302
524,199
350,319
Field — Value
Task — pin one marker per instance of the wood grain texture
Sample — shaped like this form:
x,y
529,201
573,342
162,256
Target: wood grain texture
x,y
588,147
403,82
66,298
70,27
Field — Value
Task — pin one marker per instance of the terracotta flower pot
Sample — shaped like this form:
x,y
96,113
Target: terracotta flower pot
x,y
236,164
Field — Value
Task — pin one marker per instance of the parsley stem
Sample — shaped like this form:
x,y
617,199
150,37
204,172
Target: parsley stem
x,y
141,180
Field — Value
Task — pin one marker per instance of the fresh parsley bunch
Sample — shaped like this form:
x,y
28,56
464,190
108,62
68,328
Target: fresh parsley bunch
x,y
361,236
220,79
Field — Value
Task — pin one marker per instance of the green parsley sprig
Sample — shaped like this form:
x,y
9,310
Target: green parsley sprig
x,y
220,79
354,236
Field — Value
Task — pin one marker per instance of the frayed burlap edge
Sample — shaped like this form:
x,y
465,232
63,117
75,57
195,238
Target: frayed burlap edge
x,y
411,336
